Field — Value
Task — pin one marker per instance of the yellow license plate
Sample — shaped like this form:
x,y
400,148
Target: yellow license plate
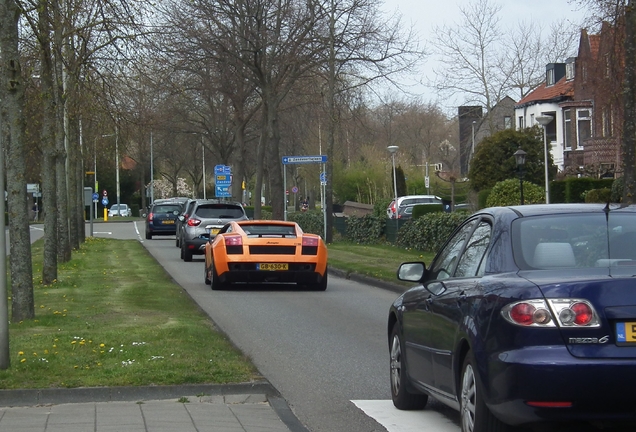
x,y
626,332
215,231
168,222
272,266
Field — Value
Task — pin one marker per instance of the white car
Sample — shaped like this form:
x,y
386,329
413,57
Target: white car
x,y
409,200
123,210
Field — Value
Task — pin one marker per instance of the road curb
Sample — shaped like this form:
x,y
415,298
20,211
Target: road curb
x,y
390,286
33,397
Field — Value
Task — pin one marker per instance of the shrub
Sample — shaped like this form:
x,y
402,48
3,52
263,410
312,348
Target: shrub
x,y
366,229
429,232
617,190
598,196
507,193
310,221
380,206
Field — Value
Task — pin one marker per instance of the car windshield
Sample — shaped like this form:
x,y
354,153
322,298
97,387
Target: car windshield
x,y
575,240
165,208
259,230
220,211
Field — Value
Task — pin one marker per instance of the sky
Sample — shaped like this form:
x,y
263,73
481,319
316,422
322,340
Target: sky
x,y
425,15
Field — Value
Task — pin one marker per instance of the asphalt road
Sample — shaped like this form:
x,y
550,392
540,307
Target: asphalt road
x,y
326,352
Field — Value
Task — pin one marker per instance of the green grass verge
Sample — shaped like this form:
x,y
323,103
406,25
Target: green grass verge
x,y
115,318
378,261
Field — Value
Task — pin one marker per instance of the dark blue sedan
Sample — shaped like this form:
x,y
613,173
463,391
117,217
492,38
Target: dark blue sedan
x,y
526,317
162,218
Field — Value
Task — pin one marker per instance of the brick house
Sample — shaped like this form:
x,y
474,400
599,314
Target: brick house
x,y
583,97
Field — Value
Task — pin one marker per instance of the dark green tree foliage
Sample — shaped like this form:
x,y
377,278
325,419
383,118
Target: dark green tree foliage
x,y
401,181
494,160
429,232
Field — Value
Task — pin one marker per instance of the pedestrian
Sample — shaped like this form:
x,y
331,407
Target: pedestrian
x,y
35,211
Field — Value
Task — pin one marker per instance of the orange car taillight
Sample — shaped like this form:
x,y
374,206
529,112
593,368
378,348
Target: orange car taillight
x,y
310,241
233,244
233,240
193,222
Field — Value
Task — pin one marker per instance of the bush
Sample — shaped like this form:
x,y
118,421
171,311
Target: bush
x,y
507,193
598,195
429,232
617,190
310,221
482,198
380,206
366,229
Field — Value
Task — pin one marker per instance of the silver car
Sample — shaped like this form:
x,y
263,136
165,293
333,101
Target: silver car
x,y
119,210
212,214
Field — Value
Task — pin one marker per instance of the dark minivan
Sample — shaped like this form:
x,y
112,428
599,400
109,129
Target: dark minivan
x,y
162,218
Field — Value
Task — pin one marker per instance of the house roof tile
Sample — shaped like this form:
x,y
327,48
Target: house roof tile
x,y
556,92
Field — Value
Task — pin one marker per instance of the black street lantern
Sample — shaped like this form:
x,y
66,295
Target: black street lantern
x,y
520,158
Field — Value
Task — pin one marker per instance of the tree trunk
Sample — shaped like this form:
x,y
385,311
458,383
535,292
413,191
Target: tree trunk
x,y
64,249
12,112
49,198
629,124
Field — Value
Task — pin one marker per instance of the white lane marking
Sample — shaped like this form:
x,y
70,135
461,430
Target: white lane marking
x,y
395,420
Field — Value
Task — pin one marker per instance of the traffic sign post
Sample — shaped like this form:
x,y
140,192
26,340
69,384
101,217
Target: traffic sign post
x,y
321,159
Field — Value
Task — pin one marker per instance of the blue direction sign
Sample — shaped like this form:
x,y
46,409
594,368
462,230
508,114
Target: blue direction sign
x,y
105,201
222,191
223,179
222,169
304,159
323,176
95,196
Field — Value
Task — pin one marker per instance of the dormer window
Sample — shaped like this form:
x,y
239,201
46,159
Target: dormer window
x,y
549,77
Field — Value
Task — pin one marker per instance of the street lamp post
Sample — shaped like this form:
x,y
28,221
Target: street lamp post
x,y
152,172
117,167
393,149
203,152
520,158
544,120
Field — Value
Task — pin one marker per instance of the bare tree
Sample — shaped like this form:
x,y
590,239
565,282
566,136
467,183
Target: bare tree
x,y
482,63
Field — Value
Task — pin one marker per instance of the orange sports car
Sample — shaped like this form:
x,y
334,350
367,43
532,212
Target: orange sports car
x,y
260,251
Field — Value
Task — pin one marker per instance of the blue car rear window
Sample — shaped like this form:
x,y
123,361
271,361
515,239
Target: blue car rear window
x,y
575,240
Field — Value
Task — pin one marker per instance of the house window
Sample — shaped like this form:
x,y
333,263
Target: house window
x,y
507,122
583,126
551,128
606,170
549,80
521,126
567,129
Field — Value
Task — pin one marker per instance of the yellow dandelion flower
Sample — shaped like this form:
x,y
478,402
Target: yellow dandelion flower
x,y
82,343
23,360
54,346
41,306
73,342
101,345
46,351
75,367
20,352
35,354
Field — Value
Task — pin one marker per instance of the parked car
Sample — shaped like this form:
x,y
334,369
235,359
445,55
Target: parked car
x,y
410,200
119,210
205,221
525,317
265,251
162,218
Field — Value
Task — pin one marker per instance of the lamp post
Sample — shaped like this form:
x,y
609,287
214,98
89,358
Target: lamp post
x,y
152,172
393,149
117,166
544,120
203,152
520,158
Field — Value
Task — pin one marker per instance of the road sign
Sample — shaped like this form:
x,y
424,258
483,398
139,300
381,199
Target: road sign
x,y
105,201
304,159
104,193
222,169
223,179
323,177
222,191
295,189
95,196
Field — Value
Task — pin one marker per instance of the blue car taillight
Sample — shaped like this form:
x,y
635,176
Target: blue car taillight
x,y
570,313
